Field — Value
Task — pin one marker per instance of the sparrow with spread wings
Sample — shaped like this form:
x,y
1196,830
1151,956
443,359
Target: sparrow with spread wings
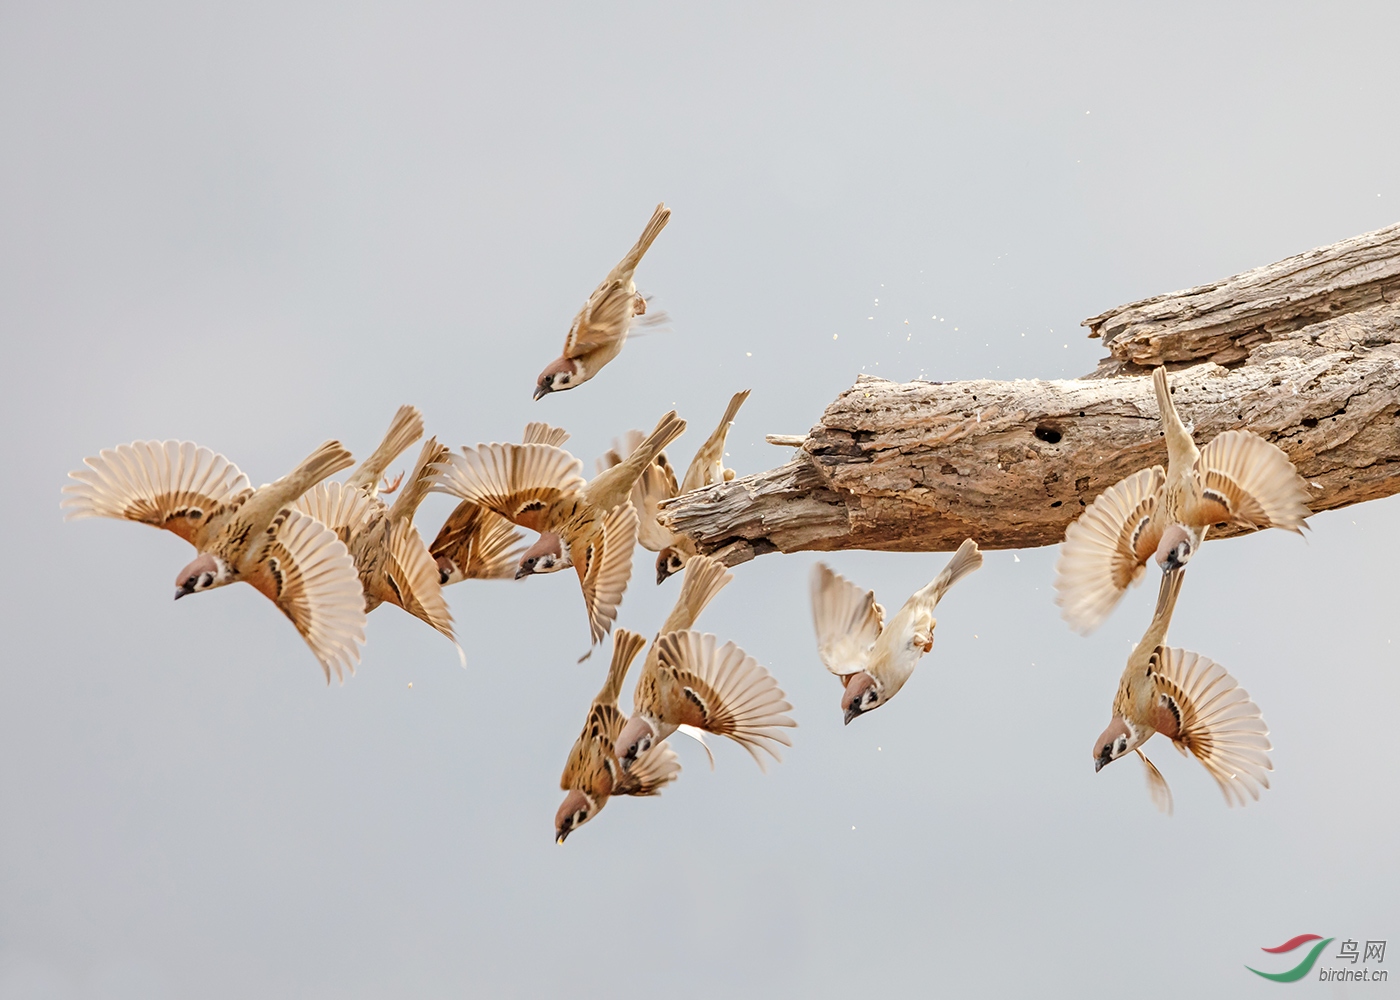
x,y
253,535
1238,478
1193,702
590,526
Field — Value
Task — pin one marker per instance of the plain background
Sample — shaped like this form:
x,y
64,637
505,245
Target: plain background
x,y
258,226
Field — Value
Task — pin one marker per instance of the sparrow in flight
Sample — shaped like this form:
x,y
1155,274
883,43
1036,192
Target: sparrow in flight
x,y
592,774
1193,702
478,544
874,660
590,526
600,328
658,484
240,533
1239,478
394,565
690,683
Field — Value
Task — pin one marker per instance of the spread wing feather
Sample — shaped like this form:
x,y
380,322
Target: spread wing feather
x,y
1105,550
847,620
415,575
517,481
341,507
606,569
309,574
1250,481
735,695
1219,724
175,485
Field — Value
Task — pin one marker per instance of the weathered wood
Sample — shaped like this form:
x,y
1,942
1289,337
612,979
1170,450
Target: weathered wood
x,y
1312,352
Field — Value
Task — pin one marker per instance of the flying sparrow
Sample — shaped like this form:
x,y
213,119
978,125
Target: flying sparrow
x,y
589,526
874,661
1192,701
478,544
688,683
1238,478
658,484
600,328
406,427
394,565
240,533
592,774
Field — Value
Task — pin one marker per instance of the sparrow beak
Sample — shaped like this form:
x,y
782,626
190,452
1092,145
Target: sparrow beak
x,y
563,836
1100,761
182,591
540,392
661,575
851,713
522,573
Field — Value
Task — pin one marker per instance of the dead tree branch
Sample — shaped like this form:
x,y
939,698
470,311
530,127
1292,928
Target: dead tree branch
x,y
1305,352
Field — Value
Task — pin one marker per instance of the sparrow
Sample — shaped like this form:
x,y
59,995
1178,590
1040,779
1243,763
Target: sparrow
x,y
873,661
589,526
688,683
1193,702
394,565
592,774
478,544
601,326
406,427
1237,478
240,533
658,484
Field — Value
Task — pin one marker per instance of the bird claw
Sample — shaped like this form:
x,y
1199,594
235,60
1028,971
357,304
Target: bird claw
x,y
639,305
389,487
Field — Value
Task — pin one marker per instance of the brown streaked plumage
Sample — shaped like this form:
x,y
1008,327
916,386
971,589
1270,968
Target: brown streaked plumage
x,y
592,774
600,328
658,484
690,681
583,525
478,544
404,429
1238,478
1192,701
240,533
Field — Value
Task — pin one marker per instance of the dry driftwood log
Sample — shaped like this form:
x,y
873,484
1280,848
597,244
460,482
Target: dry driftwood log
x,y
1305,352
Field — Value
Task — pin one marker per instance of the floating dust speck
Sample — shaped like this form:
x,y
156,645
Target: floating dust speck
x,y
1015,557
834,336
748,354
410,685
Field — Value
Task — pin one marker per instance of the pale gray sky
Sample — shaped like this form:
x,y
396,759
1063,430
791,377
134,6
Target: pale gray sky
x,y
257,226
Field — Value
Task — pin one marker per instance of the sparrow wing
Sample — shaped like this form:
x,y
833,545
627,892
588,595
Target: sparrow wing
x,y
404,429
1247,480
1203,709
517,481
847,619
413,573
481,544
537,432
707,467
308,573
604,318
605,567
343,508
1106,548
1157,786
175,485
656,484
649,773
727,692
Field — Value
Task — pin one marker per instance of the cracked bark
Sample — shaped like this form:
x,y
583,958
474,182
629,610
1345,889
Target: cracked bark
x,y
1305,352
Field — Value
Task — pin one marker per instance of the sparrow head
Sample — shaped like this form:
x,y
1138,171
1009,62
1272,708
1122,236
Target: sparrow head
x,y
448,571
1175,549
576,810
558,376
205,572
861,695
634,740
669,561
545,556
1119,738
